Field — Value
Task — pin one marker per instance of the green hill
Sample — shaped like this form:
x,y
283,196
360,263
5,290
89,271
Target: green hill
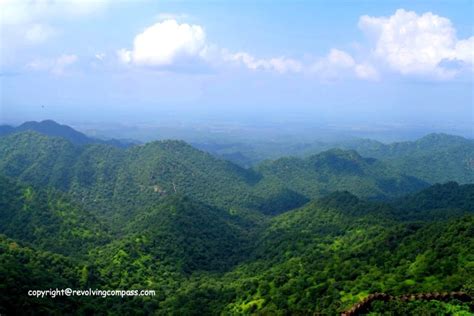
x,y
190,235
320,258
335,170
53,129
116,183
23,268
435,158
48,220
293,236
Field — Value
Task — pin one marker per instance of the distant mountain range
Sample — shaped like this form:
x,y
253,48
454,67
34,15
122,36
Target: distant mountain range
x,y
51,128
433,158
105,177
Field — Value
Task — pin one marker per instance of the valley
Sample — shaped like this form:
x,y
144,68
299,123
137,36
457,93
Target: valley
x,y
292,235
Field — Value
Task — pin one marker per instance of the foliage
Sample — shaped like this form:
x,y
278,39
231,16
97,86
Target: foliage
x,y
214,238
115,183
48,220
335,170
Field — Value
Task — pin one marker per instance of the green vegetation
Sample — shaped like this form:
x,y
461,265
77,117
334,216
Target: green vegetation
x,y
431,307
115,183
48,220
435,158
292,236
23,268
335,170
51,128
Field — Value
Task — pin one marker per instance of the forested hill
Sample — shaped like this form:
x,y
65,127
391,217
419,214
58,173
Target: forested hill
x,y
115,182
338,169
433,158
48,220
320,258
51,128
437,201
302,236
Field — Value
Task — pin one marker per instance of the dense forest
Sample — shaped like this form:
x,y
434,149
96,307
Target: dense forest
x,y
433,158
311,235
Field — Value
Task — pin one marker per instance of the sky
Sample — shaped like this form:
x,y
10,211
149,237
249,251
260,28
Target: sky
x,y
361,63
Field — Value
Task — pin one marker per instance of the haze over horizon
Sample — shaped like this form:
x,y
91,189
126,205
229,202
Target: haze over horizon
x,y
365,66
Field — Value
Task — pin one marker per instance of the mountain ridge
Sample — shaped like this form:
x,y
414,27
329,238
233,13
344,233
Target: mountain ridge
x,y
54,129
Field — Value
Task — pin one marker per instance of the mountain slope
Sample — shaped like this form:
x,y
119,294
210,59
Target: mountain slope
x,y
335,170
48,220
54,129
51,128
23,268
116,182
320,258
435,158
437,202
184,234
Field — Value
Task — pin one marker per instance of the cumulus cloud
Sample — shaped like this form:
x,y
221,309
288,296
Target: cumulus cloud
x,y
56,66
278,64
169,43
406,42
417,44
166,43
339,64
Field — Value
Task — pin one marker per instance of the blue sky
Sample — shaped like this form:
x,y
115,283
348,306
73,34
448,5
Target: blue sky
x,y
350,62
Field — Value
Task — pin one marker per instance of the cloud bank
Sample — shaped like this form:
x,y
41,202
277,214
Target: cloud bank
x,y
405,43
418,44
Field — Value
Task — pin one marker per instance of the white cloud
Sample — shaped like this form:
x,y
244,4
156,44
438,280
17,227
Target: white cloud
x,y
339,64
340,58
417,44
166,43
124,55
169,43
278,64
366,71
464,51
407,42
56,66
